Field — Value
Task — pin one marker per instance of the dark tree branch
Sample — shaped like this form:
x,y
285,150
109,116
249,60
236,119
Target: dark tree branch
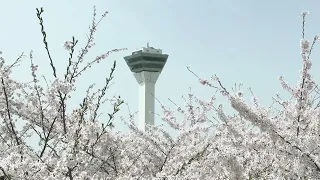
x,y
9,113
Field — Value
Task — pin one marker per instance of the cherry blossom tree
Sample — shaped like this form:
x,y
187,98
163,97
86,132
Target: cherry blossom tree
x,y
71,142
255,142
269,142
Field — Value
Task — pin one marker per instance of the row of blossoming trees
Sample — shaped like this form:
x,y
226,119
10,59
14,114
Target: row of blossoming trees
x,y
278,142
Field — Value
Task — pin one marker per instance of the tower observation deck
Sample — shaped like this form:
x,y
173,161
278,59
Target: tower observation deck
x,y
146,65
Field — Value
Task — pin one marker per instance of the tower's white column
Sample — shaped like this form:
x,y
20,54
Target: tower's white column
x,y
146,104
147,82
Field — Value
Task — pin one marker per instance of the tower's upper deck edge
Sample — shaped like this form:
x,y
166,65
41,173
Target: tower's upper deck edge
x,y
146,59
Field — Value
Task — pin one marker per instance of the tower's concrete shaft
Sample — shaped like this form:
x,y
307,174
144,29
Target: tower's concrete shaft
x,y
147,81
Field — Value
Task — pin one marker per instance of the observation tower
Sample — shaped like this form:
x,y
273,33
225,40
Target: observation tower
x,y
146,65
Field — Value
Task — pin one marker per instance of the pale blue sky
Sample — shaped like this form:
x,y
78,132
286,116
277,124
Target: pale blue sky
x,y
246,41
